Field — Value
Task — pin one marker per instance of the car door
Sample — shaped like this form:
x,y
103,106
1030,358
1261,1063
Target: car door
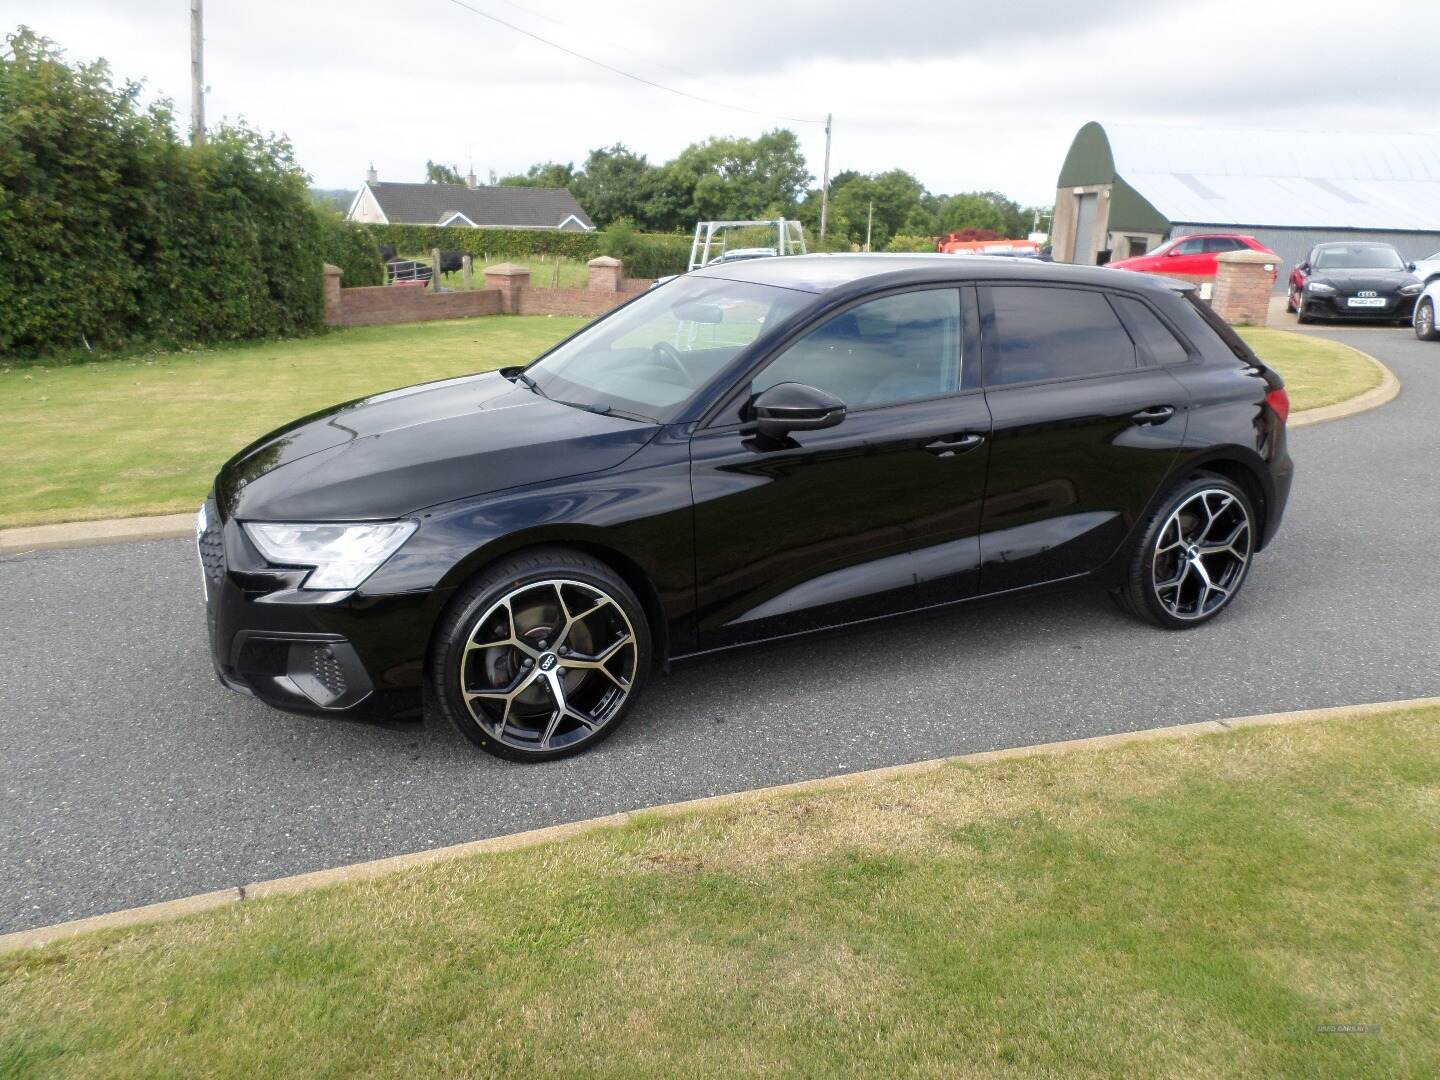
x,y
1188,257
1083,433
873,516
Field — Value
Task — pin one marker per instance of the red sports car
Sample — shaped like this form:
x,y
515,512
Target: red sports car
x,y
1193,256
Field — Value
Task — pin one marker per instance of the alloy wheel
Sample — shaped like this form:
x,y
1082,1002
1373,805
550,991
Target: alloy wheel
x,y
548,665
1425,321
1201,554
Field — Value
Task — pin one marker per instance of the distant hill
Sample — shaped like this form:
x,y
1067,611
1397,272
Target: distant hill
x,y
335,198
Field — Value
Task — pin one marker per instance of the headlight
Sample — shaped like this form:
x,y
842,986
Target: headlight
x,y
1319,288
343,555
1413,289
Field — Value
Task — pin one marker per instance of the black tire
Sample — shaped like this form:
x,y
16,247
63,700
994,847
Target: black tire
x,y
1290,305
1140,595
1302,318
571,580
1425,328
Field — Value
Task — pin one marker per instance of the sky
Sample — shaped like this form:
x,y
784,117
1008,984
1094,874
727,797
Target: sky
x,y
965,95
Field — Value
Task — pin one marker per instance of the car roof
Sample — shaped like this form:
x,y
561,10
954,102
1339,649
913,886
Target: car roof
x,y
821,273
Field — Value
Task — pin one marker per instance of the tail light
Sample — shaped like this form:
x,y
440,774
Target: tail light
x,y
1278,402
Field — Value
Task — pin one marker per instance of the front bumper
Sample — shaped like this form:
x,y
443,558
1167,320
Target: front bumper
x,y
357,653
1337,307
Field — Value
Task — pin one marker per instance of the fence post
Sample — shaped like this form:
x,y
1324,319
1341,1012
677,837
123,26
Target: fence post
x,y
435,270
466,267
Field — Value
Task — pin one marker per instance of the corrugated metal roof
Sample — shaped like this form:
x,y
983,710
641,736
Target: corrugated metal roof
x,y
505,207
1348,180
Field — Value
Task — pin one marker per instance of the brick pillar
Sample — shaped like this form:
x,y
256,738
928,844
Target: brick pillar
x,y
1242,286
509,279
604,274
332,295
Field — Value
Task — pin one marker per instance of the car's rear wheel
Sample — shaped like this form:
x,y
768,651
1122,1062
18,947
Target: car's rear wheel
x,y
1425,321
1193,555
542,655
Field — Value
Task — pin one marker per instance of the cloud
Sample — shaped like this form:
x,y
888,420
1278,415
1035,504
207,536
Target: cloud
x,y
963,94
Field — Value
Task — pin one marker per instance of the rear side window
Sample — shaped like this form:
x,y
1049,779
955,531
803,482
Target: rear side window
x,y
1152,335
1052,333
1217,244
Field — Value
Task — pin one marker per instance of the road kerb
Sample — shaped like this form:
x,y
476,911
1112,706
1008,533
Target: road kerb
x,y
73,534
167,910
1386,392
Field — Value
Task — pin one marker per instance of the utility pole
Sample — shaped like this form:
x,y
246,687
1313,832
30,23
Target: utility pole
x,y
869,220
197,71
825,180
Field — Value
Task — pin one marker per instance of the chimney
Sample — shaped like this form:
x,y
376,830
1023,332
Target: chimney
x,y
470,179
371,176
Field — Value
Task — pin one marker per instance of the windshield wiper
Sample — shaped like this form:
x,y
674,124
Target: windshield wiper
x,y
521,377
607,410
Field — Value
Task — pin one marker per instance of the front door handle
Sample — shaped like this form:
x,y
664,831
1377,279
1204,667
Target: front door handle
x,y
951,447
1156,414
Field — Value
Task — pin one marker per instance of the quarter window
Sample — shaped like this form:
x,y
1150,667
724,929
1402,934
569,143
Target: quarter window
x,y
1052,333
1150,333
897,348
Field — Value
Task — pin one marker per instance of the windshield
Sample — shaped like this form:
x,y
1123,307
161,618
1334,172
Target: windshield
x,y
1359,257
650,357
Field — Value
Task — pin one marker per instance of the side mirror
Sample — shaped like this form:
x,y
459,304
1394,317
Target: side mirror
x,y
790,406
1410,267
1304,268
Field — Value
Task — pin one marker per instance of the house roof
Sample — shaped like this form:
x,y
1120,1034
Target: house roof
x,y
1305,179
491,207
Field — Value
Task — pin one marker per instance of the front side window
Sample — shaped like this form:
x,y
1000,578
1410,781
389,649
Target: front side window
x,y
652,356
1052,333
897,348
1190,247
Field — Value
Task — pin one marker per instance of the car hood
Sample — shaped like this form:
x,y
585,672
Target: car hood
x,y
395,453
1382,281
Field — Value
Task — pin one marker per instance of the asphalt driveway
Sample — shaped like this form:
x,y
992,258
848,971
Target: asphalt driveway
x,y
127,775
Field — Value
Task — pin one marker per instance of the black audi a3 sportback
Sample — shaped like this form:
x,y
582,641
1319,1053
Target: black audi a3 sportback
x,y
748,452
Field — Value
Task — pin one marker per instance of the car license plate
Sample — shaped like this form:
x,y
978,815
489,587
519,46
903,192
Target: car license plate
x,y
1366,301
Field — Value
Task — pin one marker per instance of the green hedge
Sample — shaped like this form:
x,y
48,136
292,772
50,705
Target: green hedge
x,y
114,233
353,249
493,244
646,255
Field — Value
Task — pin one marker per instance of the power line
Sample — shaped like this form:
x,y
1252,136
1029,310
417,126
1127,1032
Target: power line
x,y
626,74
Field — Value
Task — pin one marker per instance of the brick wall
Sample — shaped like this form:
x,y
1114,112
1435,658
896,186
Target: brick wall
x,y
571,301
507,291
409,303
1242,287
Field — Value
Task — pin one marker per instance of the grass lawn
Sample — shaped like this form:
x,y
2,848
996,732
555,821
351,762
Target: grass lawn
x,y
1317,372
1197,907
129,437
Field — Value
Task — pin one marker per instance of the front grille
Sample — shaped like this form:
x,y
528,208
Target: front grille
x,y
211,545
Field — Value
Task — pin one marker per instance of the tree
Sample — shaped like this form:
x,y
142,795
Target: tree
x,y
896,197
547,174
971,211
617,183
436,173
732,178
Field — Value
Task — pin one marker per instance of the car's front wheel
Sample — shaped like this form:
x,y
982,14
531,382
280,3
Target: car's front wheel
x,y
1425,321
542,655
1292,301
1193,556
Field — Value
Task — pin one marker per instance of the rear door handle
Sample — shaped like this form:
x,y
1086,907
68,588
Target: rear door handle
x,y
1156,414
951,447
